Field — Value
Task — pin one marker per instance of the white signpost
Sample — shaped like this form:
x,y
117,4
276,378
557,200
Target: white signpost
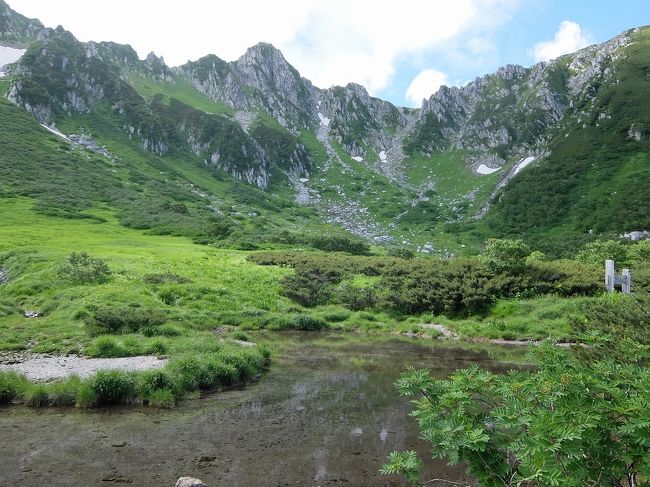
x,y
612,279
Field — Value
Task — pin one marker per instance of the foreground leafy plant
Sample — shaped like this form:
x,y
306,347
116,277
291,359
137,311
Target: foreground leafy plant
x,y
566,424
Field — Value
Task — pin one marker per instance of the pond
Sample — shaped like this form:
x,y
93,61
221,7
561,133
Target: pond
x,y
326,413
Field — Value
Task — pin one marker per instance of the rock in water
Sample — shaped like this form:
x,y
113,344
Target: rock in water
x,y
189,482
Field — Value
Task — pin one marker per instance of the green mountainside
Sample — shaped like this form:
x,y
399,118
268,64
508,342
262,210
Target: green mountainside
x,y
237,152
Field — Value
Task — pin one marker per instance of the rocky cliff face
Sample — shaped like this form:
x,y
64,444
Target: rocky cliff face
x,y
514,112
260,79
17,30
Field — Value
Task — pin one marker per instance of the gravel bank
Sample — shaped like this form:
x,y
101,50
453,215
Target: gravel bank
x,y
47,368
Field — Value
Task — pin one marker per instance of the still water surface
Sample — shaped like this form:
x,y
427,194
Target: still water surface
x,y
326,413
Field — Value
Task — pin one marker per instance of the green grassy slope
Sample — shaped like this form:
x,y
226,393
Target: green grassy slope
x,y
33,245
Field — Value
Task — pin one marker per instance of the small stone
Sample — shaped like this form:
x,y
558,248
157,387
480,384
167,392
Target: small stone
x,y
189,482
119,445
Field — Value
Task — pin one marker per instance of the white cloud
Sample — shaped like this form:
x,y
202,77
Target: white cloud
x,y
328,41
424,85
569,38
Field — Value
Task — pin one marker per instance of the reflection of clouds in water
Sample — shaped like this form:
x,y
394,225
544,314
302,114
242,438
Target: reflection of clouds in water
x,y
356,432
319,459
383,434
312,389
298,395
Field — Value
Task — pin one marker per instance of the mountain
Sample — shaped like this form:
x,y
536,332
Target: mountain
x,y
556,153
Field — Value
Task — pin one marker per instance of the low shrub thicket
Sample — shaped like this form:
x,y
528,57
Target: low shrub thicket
x,y
416,286
618,327
124,320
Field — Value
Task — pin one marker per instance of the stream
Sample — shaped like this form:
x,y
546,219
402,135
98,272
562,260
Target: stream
x,y
326,413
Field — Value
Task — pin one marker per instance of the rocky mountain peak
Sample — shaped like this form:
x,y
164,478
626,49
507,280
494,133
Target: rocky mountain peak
x,y
262,53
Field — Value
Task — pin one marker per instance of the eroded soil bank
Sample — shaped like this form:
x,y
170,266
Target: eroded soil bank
x,y
325,414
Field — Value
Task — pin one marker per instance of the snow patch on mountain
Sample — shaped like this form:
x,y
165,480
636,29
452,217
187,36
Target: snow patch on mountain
x,y
483,169
523,163
55,132
9,55
323,119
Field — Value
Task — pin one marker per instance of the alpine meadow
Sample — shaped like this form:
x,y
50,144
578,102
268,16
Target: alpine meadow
x,y
220,271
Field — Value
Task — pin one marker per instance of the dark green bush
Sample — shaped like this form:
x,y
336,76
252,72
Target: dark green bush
x,y
124,320
619,325
80,268
401,252
502,255
163,331
335,243
310,287
356,298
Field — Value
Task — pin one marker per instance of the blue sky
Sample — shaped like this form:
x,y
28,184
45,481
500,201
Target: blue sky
x,y
382,45
532,22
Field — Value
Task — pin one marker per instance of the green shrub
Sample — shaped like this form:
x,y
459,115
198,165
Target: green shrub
x,y
80,268
502,255
549,424
124,320
310,287
112,387
163,331
356,298
401,252
335,243
597,252
619,326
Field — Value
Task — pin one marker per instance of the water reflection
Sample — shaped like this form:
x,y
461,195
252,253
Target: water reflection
x,y
325,414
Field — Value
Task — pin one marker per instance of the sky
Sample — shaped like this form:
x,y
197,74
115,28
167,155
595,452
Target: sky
x,y
401,51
